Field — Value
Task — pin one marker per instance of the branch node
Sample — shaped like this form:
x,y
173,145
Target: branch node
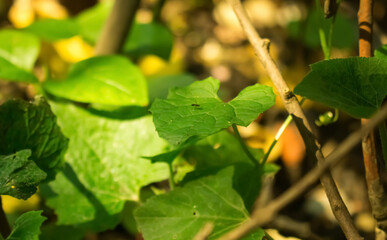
x,y
288,94
266,44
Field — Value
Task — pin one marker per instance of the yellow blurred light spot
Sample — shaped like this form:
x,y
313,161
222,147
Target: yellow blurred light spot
x,y
211,52
12,205
144,16
12,187
151,65
50,9
73,49
21,14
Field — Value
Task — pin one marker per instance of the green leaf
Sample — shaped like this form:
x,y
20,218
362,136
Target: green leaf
x,y
26,125
105,166
19,176
381,52
27,226
110,80
218,150
355,85
221,150
181,213
196,110
10,72
18,53
53,29
92,20
20,49
149,38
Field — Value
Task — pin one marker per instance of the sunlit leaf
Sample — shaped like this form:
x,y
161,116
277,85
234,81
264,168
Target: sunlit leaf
x,y
18,53
27,226
104,166
53,29
110,80
196,110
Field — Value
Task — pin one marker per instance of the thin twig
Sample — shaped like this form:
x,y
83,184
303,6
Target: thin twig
x,y
298,229
117,27
293,107
5,229
376,193
284,125
264,215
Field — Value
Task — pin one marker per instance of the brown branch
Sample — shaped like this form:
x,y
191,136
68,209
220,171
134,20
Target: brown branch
x,y
205,232
365,28
376,193
5,229
298,229
265,214
117,27
293,107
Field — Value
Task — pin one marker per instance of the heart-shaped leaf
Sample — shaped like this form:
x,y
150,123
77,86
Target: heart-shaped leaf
x,y
196,110
355,85
181,213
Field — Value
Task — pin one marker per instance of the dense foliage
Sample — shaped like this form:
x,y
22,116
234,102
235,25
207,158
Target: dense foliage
x,y
94,139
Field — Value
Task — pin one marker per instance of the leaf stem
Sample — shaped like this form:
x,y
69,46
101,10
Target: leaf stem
x,y
171,181
284,125
244,147
5,229
326,44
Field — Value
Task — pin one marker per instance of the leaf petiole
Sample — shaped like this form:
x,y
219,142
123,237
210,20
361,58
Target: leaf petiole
x,y
284,125
171,181
244,147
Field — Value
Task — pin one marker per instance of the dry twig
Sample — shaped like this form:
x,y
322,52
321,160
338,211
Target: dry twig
x,y
205,232
117,26
376,193
293,107
264,215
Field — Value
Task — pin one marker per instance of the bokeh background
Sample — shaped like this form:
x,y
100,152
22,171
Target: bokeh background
x,y
208,41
